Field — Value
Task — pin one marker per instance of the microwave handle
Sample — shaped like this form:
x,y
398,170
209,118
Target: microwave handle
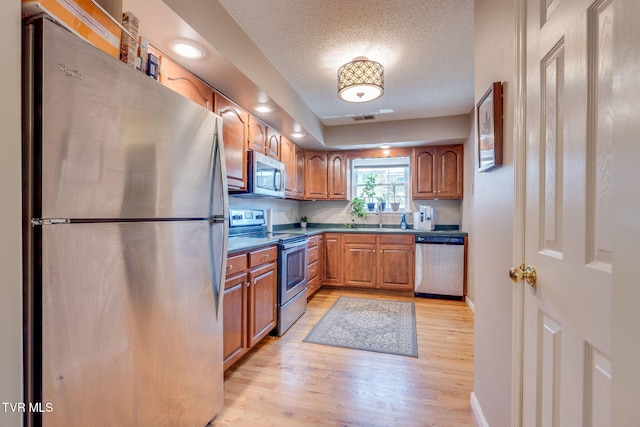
x,y
281,183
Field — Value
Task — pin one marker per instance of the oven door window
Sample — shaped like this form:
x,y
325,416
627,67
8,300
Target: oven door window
x,y
296,266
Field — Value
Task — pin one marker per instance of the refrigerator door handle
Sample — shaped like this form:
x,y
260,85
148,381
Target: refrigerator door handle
x,y
218,262
218,216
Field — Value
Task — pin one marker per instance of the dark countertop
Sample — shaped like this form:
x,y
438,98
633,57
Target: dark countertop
x,y
240,243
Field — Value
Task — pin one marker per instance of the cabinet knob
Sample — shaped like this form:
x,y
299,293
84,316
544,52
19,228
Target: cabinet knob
x,y
248,284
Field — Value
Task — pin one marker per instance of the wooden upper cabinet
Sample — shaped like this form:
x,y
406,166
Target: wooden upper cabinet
x,y
288,157
315,175
234,135
337,176
272,147
437,172
424,172
298,189
450,167
185,83
257,135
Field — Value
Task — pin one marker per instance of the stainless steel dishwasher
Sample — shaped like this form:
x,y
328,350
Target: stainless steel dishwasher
x,y
439,266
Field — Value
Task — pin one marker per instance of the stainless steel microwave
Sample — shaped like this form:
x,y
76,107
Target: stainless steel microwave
x,y
265,177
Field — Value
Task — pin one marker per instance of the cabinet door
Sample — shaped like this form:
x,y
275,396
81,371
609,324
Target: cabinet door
x,y
360,260
262,301
315,176
396,266
424,172
234,319
288,157
298,190
257,135
332,255
234,136
188,85
272,148
450,166
337,176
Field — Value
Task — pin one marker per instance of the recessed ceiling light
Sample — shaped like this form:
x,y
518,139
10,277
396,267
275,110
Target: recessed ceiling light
x,y
384,146
187,49
264,108
298,134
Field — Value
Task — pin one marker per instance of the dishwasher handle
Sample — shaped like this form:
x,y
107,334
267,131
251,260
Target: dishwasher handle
x,y
440,240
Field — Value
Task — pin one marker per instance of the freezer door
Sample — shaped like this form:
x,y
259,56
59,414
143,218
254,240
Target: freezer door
x,y
129,331
114,143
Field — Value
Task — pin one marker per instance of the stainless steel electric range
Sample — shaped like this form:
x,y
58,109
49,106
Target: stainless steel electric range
x,y
292,263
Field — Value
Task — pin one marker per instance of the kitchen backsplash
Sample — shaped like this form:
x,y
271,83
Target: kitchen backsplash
x,y
338,212
447,212
283,211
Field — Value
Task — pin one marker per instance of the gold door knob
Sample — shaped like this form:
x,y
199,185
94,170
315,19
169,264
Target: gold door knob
x,y
526,272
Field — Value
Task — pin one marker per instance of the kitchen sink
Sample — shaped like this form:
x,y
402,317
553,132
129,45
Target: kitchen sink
x,y
379,230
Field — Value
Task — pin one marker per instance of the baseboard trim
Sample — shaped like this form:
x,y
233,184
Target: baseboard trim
x,y
477,411
470,303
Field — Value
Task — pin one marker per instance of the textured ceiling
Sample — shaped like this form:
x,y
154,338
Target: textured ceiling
x,y
425,46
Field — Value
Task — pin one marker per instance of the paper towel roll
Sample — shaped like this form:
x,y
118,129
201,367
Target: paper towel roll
x,y
269,221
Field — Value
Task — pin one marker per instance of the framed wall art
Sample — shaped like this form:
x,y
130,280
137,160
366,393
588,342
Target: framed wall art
x,y
489,117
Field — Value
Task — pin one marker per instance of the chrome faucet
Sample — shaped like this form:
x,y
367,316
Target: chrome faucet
x,y
380,214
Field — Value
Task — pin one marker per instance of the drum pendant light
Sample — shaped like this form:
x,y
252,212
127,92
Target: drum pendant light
x,y
360,80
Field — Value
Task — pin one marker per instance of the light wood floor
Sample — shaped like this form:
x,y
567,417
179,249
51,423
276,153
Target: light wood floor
x,y
287,382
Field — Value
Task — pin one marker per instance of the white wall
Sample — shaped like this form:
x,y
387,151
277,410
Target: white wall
x,y
493,206
10,212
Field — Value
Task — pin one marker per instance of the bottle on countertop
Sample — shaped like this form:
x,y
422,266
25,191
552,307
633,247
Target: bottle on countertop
x,y
403,222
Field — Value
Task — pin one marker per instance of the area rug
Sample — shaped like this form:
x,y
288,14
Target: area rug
x,y
368,324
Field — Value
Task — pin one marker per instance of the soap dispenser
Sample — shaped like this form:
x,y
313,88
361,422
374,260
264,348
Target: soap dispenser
x,y
403,222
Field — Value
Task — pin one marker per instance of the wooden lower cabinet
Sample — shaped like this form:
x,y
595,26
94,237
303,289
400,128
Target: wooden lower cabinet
x,y
396,262
249,304
332,254
384,261
235,318
360,259
263,294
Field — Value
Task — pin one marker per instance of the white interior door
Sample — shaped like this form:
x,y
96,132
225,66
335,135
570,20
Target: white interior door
x,y
569,207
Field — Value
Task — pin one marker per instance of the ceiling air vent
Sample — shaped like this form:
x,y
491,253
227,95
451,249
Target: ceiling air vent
x,y
361,118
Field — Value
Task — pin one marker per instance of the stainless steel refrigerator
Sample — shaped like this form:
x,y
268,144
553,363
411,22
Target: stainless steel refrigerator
x,y
125,242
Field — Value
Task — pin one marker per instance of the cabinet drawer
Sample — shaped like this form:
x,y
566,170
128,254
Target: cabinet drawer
x,y
312,255
263,256
312,270
236,264
314,240
313,284
397,239
237,280
360,238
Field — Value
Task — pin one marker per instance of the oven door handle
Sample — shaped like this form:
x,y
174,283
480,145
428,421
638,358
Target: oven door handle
x,y
293,245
